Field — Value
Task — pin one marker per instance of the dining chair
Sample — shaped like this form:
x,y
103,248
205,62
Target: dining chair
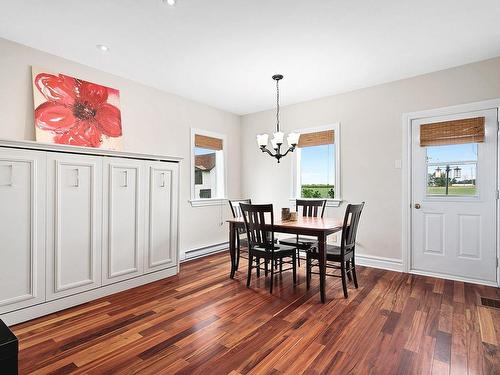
x,y
261,244
343,254
307,208
236,211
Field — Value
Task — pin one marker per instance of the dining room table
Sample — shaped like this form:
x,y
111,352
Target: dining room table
x,y
317,227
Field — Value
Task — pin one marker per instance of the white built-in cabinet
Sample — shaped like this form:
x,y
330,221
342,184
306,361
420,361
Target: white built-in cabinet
x,y
161,222
22,231
75,226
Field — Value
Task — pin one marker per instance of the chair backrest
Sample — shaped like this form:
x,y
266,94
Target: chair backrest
x,y
259,233
350,226
311,207
235,206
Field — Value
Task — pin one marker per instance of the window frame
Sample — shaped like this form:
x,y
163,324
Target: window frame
x,y
221,185
296,188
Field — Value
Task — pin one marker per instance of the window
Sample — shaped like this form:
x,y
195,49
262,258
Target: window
x,y
316,171
451,170
207,167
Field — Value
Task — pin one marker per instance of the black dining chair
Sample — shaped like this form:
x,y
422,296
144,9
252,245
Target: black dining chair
x,y
236,211
306,208
343,254
261,244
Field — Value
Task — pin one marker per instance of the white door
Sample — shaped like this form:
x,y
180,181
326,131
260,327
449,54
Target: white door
x,y
74,210
454,192
161,220
22,229
123,219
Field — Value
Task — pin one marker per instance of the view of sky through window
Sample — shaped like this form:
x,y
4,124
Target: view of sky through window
x,y
317,165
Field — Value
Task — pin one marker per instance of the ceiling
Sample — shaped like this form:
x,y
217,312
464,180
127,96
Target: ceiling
x,y
224,52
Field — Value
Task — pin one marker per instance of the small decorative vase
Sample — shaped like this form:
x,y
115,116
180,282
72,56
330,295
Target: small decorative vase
x,y
285,214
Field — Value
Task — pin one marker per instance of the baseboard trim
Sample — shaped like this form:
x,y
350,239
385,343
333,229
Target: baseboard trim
x,y
384,263
454,278
204,251
45,308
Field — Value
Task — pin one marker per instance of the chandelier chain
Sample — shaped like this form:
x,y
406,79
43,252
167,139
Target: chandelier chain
x,y
277,106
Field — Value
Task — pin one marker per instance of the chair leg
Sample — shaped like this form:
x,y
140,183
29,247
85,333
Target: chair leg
x,y
294,269
281,265
258,266
249,275
272,278
308,271
265,266
298,256
276,264
353,265
344,281
347,266
238,250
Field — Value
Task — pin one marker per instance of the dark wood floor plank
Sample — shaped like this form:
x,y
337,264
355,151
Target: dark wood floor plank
x,y
202,322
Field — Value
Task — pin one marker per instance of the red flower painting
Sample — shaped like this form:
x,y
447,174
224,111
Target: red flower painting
x,y
76,112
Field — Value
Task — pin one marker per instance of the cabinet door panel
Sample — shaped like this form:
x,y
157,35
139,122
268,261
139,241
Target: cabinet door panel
x,y
162,216
22,202
123,224
74,213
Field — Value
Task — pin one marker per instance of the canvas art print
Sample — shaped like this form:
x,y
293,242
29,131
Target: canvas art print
x,y
74,112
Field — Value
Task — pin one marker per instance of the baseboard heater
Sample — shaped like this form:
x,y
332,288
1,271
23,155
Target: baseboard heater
x,y
207,250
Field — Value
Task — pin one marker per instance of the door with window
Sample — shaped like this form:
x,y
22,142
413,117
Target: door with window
x,y
454,193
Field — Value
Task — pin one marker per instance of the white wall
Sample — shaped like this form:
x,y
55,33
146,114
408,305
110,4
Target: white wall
x,y
153,121
371,128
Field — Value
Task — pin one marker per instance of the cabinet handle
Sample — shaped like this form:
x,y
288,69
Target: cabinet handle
x,y
162,180
11,179
77,182
126,179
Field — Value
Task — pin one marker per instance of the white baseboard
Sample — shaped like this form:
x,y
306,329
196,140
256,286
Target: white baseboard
x,y
455,278
203,251
384,263
50,307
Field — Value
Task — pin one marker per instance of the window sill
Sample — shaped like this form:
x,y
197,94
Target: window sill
x,y
329,202
207,202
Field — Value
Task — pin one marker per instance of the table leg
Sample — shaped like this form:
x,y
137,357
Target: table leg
x,y
322,266
232,248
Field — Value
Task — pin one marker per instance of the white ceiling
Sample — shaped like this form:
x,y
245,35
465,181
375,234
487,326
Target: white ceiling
x,y
224,52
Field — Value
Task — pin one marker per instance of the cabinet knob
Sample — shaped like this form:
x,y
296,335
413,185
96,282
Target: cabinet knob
x,y
417,206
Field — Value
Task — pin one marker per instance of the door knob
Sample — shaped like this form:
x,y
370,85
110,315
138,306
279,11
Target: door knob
x,y
417,206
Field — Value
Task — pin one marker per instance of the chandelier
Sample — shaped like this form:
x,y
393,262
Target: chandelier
x,y
277,141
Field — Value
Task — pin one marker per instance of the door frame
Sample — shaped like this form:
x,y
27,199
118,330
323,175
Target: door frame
x,y
406,174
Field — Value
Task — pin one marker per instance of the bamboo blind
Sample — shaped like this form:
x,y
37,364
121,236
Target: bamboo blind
x,y
204,141
326,137
470,130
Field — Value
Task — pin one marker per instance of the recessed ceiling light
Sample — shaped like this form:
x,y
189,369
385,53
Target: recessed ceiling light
x,y
102,47
170,2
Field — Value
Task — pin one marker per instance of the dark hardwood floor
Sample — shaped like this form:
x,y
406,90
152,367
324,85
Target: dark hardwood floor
x,y
202,322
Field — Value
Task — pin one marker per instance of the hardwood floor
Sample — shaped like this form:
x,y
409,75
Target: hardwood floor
x,y
202,322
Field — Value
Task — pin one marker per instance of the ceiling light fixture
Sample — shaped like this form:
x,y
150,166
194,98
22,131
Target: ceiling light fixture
x,y
102,47
170,2
277,141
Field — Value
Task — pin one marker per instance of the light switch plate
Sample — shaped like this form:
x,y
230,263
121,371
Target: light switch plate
x,y
397,164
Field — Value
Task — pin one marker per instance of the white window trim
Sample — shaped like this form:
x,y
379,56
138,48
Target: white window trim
x,y
295,188
221,198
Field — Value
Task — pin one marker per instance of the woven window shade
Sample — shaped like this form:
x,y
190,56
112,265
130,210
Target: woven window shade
x,y
211,143
470,130
326,137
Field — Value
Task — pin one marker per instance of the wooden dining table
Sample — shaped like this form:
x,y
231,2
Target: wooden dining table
x,y
306,226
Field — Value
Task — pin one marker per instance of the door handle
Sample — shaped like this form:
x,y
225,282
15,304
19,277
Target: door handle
x,y
11,180
417,206
162,180
125,184
77,180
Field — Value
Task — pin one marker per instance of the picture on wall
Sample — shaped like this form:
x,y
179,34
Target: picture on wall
x,y
75,112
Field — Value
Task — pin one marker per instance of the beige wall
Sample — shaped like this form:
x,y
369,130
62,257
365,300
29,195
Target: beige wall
x,y
153,121
371,128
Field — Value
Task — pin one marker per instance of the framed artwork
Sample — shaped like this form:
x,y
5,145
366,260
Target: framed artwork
x,y
75,112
